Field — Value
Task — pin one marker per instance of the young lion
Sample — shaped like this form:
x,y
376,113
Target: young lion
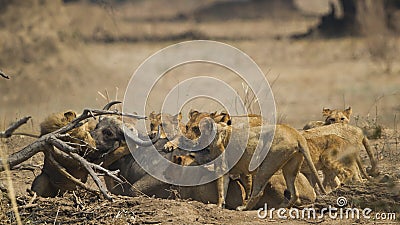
x,y
335,156
331,116
51,182
351,136
287,152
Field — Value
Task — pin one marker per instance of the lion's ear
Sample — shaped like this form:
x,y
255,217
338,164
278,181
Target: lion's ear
x,y
326,112
213,114
224,112
152,115
192,113
347,112
70,115
178,117
227,119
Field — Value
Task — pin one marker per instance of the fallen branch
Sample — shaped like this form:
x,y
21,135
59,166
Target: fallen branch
x,y
106,172
95,178
38,146
90,113
10,130
63,152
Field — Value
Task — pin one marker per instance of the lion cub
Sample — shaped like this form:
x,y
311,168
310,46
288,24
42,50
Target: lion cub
x,y
51,182
288,150
331,116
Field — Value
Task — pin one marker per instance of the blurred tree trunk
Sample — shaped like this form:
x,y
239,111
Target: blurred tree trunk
x,y
358,17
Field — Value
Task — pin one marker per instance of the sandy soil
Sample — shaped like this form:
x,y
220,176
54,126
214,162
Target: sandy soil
x,y
59,58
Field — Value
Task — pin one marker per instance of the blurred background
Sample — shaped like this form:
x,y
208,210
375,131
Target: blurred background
x,y
315,53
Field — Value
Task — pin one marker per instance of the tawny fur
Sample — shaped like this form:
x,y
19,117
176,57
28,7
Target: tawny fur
x,y
335,157
331,116
51,182
354,136
287,152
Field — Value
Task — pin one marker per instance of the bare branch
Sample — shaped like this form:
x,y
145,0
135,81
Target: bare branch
x,y
2,74
26,134
52,139
24,154
63,152
89,113
94,176
107,172
9,131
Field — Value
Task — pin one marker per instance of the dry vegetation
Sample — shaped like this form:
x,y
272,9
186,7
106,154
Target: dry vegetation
x,y
57,58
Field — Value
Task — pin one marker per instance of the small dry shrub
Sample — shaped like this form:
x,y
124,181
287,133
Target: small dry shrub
x,y
382,50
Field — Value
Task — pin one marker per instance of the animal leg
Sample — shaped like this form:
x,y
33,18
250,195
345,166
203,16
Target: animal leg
x,y
290,172
268,167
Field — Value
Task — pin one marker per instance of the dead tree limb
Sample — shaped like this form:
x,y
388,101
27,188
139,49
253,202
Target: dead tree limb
x,y
38,146
93,174
24,154
26,134
10,130
106,172
63,151
90,113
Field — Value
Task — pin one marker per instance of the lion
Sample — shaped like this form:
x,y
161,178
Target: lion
x,y
336,157
276,193
350,136
191,129
51,182
331,116
171,127
195,117
287,152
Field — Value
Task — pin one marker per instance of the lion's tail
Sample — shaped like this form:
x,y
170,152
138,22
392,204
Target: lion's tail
x,y
306,152
373,171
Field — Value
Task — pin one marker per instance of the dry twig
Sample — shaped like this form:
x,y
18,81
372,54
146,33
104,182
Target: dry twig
x,y
10,130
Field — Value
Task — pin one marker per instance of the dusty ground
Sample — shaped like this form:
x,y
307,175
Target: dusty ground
x,y
59,58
